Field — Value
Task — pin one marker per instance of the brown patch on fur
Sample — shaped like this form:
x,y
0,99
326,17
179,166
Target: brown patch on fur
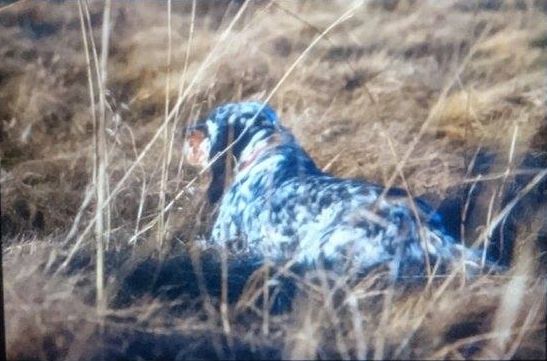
x,y
273,141
194,153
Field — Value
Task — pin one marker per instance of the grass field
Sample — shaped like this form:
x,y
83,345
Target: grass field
x,y
100,212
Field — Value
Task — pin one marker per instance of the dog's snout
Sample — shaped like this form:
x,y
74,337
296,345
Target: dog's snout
x,y
196,147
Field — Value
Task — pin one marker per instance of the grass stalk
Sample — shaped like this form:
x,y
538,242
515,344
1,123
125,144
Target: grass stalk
x,y
102,176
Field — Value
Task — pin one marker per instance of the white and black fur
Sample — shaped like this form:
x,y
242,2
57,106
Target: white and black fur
x,y
280,206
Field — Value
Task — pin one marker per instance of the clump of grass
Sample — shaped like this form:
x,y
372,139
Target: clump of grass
x,y
433,82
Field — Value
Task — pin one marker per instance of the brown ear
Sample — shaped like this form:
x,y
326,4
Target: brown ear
x,y
195,150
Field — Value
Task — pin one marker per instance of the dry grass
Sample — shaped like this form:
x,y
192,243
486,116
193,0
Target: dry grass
x,y
434,80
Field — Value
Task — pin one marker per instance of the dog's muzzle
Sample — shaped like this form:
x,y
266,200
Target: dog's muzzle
x,y
196,146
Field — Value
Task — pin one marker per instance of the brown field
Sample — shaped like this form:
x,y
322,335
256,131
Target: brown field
x,y
364,86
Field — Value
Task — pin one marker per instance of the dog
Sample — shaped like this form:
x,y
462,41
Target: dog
x,y
275,203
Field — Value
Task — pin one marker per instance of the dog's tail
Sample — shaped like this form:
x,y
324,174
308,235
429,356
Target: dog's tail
x,y
500,203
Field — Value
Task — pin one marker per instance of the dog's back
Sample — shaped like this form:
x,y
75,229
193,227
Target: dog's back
x,y
282,207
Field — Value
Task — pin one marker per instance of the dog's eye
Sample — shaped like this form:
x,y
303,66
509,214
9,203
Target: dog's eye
x,y
196,127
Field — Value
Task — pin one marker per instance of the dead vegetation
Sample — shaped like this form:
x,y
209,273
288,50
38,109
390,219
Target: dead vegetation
x,y
435,80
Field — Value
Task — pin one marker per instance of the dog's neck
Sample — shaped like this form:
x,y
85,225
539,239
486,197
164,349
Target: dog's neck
x,y
259,144
277,157
268,158
238,159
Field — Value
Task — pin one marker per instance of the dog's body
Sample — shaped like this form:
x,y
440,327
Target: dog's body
x,y
282,207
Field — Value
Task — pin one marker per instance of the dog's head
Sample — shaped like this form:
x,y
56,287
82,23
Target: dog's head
x,y
223,135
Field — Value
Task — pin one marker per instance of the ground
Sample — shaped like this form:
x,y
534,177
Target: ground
x,y
363,86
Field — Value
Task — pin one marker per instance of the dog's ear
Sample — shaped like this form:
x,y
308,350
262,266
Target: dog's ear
x,y
218,167
218,179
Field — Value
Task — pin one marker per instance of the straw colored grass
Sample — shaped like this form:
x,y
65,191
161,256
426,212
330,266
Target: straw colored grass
x,y
99,209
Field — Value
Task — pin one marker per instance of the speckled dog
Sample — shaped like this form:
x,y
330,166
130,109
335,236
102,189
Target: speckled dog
x,y
279,205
